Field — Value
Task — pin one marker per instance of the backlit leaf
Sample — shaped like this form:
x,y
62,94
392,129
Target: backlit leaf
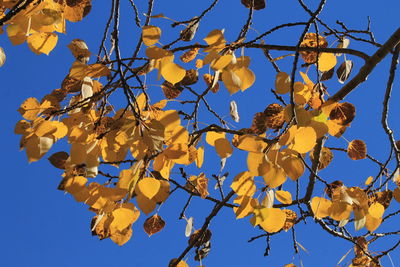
x,y
148,187
42,42
150,34
357,149
124,216
275,175
321,207
283,196
304,140
153,225
211,137
282,83
223,147
376,210
326,61
243,184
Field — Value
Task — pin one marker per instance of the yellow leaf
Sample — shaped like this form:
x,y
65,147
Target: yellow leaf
x,y
148,187
97,70
76,186
283,196
304,140
30,108
275,176
294,167
243,184
15,33
169,119
326,61
246,206
177,135
211,137
200,157
163,193
223,147
369,181
282,83
372,223
376,210
274,221
172,72
121,237
340,211
214,37
257,163
246,76
221,62
231,81
42,42
176,151
78,153
150,35
44,128
61,130
77,11
249,143
321,207
124,216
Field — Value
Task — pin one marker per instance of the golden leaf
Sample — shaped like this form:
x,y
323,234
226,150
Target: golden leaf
x,y
326,61
291,217
211,137
249,143
243,184
30,108
246,76
150,35
275,175
121,237
172,72
124,216
200,157
148,187
304,140
294,167
257,164
283,196
321,207
340,211
274,221
221,62
246,206
372,223
42,42
376,210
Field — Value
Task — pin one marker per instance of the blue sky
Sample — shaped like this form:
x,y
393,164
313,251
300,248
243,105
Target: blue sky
x,y
44,227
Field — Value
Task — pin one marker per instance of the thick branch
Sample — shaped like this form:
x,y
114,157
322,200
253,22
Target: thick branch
x,y
369,65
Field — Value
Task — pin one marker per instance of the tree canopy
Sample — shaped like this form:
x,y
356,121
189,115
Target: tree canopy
x,y
164,116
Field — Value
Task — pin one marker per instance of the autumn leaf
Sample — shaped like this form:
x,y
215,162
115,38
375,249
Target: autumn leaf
x,y
357,149
153,225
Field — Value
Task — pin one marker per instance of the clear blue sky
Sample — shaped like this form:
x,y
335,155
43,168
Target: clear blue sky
x,y
43,227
